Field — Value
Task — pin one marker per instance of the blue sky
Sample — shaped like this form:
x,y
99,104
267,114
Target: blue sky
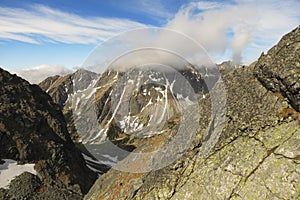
x,y
63,33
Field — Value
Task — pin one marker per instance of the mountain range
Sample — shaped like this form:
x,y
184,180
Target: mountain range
x,y
231,133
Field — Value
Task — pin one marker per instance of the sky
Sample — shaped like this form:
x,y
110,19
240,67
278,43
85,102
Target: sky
x,y
39,38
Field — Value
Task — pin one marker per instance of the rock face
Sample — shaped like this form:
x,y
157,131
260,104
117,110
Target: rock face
x,y
257,155
33,130
279,69
61,90
29,186
226,66
75,94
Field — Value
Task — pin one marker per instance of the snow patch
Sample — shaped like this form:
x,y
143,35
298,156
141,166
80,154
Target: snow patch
x,y
188,100
9,170
92,93
77,102
114,159
116,76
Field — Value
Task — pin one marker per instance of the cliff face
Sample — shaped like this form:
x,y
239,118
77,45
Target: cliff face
x,y
33,130
257,155
278,70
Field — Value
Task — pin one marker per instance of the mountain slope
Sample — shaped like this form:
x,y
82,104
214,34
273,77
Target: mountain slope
x,y
96,108
257,155
62,89
33,130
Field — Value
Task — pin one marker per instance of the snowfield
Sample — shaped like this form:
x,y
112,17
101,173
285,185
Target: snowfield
x,y
9,170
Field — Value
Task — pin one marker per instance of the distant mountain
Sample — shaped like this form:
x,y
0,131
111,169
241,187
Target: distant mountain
x,y
33,130
121,108
61,89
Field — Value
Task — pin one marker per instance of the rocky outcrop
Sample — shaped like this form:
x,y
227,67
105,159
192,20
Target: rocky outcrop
x,y
279,69
29,186
33,130
226,66
257,155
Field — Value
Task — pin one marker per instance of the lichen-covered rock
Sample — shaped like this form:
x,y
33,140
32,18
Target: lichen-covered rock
x,y
247,169
257,155
279,69
28,186
24,186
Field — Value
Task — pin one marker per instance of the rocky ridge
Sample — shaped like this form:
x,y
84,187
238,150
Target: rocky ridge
x,y
282,80
257,155
33,130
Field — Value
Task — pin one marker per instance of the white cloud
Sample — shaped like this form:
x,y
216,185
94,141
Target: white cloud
x,y
37,74
42,23
242,28
205,5
152,9
237,26
238,31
